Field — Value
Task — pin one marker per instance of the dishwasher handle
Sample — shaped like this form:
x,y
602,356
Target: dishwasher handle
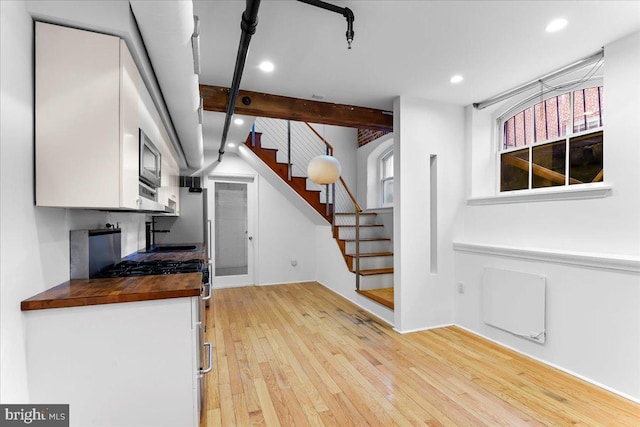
x,y
210,367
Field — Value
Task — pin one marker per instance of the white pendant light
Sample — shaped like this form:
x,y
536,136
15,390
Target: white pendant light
x,y
324,170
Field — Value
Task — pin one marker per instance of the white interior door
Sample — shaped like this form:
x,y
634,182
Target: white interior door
x,y
231,205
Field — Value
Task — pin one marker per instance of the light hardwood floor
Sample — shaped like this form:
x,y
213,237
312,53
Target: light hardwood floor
x,y
299,354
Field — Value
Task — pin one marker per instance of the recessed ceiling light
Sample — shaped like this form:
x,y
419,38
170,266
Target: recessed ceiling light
x,y
266,66
456,79
556,25
238,121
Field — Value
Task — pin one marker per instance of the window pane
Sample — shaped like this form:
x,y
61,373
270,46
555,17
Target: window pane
x,y
548,163
519,129
514,173
601,99
509,133
541,123
564,113
585,157
387,166
231,229
552,118
579,122
387,191
592,101
528,126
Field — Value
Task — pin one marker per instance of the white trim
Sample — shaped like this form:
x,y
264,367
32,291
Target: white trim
x,y
428,328
570,192
593,260
553,365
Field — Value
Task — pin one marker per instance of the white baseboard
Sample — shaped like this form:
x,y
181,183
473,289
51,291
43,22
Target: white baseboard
x,y
428,328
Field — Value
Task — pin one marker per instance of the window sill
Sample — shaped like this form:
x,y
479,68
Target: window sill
x,y
586,191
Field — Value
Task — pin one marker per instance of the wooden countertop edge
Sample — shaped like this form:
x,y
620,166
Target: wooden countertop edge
x,y
138,289
27,305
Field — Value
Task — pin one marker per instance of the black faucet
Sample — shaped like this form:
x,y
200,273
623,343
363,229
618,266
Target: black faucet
x,y
150,230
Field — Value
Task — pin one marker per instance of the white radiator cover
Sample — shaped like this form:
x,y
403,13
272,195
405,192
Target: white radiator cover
x,y
515,302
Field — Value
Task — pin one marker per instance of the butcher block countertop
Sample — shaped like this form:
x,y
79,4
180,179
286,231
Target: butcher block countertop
x,y
82,292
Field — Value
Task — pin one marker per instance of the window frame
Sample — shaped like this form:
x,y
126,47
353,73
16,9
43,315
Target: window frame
x,y
518,107
382,179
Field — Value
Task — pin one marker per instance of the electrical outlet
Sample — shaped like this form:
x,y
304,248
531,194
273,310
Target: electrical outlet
x,y
460,288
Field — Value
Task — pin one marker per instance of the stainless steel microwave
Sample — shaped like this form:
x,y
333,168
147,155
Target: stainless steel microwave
x,y
150,161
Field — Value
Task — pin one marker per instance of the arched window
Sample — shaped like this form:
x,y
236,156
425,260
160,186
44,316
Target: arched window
x,y
386,179
554,142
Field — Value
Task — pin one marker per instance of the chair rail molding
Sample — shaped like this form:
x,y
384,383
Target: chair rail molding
x,y
582,259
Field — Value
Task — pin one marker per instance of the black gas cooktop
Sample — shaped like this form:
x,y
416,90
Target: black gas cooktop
x,y
147,268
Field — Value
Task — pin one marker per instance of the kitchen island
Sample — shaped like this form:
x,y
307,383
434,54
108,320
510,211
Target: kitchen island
x,y
120,351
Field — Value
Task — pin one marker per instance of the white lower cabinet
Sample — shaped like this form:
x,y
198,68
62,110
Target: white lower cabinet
x,y
128,364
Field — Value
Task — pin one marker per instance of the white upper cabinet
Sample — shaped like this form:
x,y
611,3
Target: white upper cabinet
x,y
89,111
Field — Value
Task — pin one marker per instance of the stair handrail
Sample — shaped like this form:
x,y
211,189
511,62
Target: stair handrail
x,y
330,147
353,199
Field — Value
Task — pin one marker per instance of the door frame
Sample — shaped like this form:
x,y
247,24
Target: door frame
x,y
252,229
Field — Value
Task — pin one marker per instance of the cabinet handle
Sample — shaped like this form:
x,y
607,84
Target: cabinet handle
x,y
208,297
209,242
210,367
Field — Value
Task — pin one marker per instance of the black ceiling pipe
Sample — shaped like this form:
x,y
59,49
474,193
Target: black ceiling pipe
x,y
248,25
344,11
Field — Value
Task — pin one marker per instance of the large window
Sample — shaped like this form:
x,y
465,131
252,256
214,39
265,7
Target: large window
x,y
555,142
386,179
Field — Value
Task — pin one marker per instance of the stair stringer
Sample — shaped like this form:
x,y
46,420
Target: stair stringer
x,y
283,188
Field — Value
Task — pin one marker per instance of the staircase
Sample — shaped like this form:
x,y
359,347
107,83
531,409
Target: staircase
x,y
369,256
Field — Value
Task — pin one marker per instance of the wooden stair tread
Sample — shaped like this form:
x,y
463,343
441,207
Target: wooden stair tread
x,y
361,225
371,254
375,271
366,239
381,296
353,213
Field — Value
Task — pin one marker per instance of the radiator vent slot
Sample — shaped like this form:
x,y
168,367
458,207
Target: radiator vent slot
x,y
515,302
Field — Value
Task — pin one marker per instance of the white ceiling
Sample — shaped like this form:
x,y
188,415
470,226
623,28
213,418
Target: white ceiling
x,y
408,48
405,47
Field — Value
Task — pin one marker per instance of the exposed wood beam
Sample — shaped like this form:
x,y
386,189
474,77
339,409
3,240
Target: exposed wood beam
x,y
215,99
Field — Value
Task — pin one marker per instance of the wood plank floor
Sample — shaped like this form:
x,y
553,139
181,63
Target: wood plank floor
x,y
299,354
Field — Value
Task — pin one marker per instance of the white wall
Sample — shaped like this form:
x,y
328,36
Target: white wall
x,y
283,232
422,128
345,143
593,320
34,249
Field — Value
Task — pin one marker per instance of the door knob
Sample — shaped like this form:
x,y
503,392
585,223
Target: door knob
x,y
250,237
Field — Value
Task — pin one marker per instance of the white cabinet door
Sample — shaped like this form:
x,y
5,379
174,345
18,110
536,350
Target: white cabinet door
x,y
129,364
129,128
77,118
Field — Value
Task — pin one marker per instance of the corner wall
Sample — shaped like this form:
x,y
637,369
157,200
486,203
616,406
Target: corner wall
x,y
589,250
423,297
